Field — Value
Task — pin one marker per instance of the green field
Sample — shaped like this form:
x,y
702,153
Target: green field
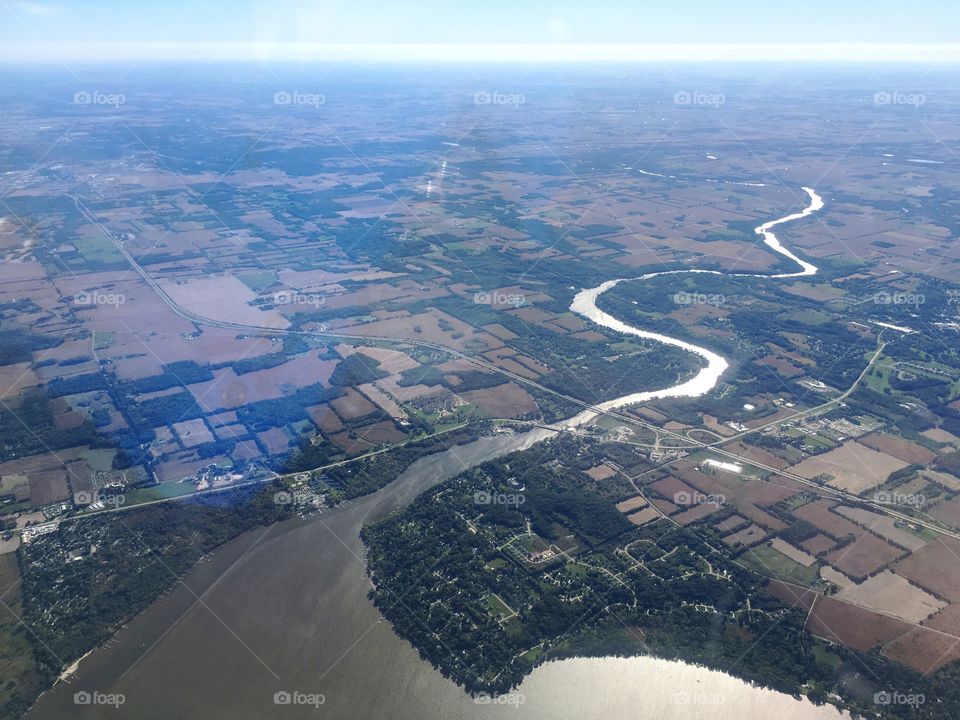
x,y
767,561
498,607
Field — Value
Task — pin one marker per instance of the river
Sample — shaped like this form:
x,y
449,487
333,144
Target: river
x,y
284,610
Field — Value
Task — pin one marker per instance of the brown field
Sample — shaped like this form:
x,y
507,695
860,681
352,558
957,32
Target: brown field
x,y
185,464
671,487
391,361
16,377
768,493
734,521
67,420
935,567
237,430
601,472
915,485
352,405
228,417
855,627
761,517
664,506
325,418
460,365
275,440
814,292
818,513
49,484
642,517
379,433
863,556
48,476
507,401
193,432
854,467
892,594
532,314
407,393
570,322
512,366
836,577
882,525
782,366
817,544
229,391
245,450
792,595
426,326
721,483
924,650
947,620
910,452
940,435
143,397
748,536
384,401
350,445
695,513
631,504
947,512
534,365
941,478
758,454
222,297
499,331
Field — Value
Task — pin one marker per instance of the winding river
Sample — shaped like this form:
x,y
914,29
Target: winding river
x,y
585,305
284,609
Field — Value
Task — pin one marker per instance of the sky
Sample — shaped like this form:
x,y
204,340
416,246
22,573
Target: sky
x,y
894,30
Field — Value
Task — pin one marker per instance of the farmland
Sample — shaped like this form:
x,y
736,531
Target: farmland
x,y
175,325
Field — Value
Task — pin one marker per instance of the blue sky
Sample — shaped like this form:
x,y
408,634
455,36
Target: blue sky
x,y
79,28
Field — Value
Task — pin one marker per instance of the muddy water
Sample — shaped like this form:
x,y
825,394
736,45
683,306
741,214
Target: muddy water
x,y
285,609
